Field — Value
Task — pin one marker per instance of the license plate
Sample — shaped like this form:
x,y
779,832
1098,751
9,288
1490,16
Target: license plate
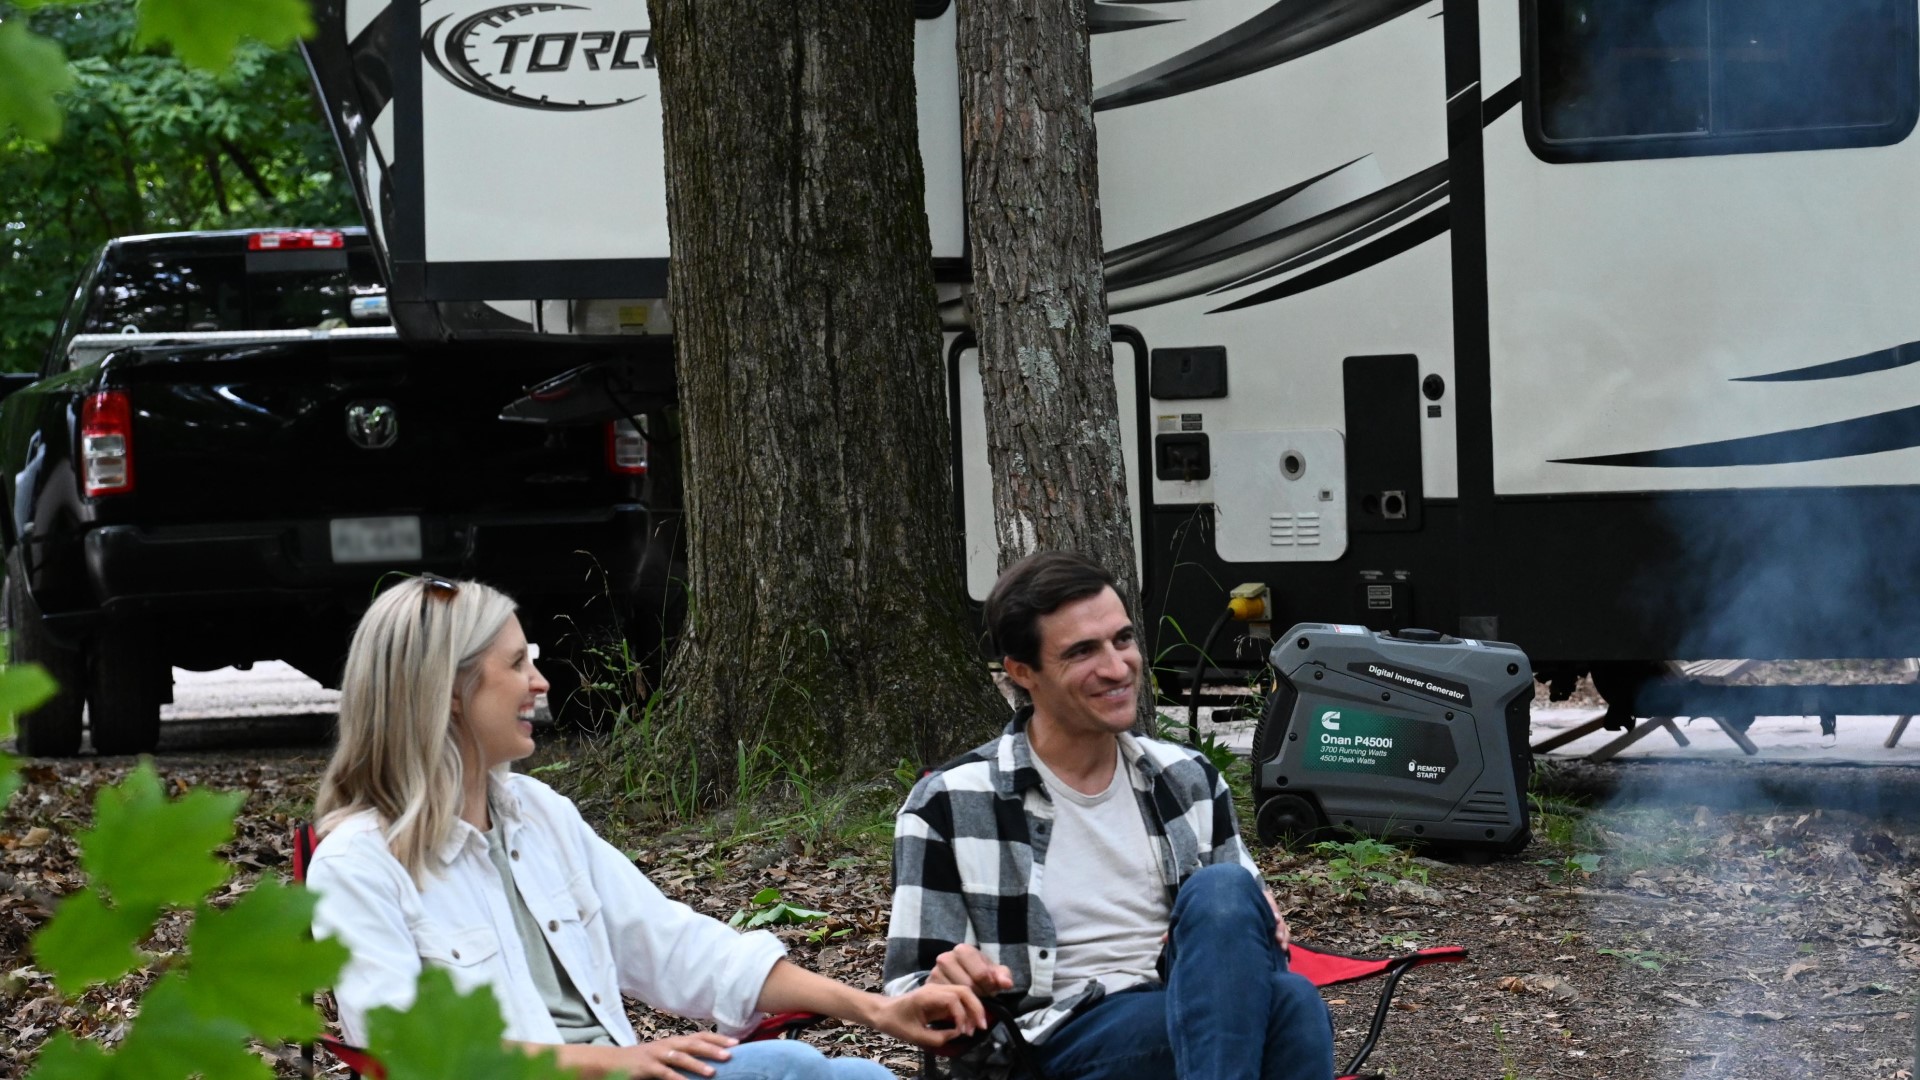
x,y
381,539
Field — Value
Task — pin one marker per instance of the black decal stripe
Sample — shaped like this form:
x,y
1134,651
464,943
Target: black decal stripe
x,y
1363,218
1503,99
1881,432
1110,18
1152,259
1286,31
1259,240
1406,238
1884,360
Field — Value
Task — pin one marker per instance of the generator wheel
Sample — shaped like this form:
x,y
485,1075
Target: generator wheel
x,y
1291,822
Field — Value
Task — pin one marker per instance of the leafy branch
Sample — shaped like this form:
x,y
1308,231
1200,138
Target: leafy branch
x,y
204,33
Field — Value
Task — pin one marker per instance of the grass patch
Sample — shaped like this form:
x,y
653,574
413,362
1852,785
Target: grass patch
x,y
1348,869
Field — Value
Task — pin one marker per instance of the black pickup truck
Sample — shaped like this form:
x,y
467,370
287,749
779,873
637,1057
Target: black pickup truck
x,y
227,447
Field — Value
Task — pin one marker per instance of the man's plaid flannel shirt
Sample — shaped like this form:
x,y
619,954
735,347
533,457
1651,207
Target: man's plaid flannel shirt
x,y
970,853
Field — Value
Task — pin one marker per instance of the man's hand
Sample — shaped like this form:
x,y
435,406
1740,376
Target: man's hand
x,y
1282,933
964,965
910,1017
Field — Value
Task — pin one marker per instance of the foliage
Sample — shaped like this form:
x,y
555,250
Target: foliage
x,y
1571,868
645,775
207,33
767,909
1651,959
1350,868
450,1036
22,688
250,966
33,73
150,142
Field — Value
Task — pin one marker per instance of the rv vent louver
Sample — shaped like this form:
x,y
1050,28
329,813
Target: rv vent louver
x,y
1290,530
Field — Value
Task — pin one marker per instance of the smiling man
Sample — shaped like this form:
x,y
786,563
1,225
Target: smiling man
x,y
1095,882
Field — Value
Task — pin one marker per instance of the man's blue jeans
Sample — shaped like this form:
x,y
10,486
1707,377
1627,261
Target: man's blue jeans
x,y
1230,1009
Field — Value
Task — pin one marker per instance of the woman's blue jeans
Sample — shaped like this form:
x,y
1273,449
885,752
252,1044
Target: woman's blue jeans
x,y
790,1059
1230,1009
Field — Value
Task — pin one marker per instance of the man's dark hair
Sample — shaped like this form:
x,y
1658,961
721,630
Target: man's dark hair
x,y
1037,585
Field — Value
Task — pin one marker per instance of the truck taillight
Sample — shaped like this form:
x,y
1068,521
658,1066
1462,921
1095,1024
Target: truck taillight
x,y
296,240
626,448
106,443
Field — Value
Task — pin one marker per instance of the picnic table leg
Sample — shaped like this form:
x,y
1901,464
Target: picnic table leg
x,y
1557,741
1899,729
1607,752
1739,737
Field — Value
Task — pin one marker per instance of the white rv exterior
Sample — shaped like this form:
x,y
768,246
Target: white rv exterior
x,y
1586,325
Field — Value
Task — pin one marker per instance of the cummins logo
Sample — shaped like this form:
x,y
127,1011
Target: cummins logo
x,y
563,57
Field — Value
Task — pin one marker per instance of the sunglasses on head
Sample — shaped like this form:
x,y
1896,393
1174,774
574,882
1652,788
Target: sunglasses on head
x,y
437,587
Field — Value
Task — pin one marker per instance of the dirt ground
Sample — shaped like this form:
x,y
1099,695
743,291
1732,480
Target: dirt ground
x,y
1739,922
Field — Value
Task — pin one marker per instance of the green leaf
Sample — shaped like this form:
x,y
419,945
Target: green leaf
x,y
87,942
67,1058
169,1038
766,896
33,72
205,33
9,777
146,851
24,687
254,962
784,914
450,1036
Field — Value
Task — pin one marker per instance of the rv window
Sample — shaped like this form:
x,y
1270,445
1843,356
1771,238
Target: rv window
x,y
1607,80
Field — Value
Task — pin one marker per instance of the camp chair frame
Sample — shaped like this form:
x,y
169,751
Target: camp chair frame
x,y
1319,967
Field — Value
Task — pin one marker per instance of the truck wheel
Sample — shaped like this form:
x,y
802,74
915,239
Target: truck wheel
x,y
53,729
123,703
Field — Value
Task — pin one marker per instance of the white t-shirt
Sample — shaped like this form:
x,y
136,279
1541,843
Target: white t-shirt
x,y
1102,886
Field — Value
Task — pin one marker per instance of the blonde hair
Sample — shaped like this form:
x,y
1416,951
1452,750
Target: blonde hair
x,y
415,650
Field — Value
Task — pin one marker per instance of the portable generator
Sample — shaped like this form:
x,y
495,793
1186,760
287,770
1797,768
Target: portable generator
x,y
1410,735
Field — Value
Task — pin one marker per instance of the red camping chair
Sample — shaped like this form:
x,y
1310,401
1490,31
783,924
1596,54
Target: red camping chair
x,y
1322,969
360,1063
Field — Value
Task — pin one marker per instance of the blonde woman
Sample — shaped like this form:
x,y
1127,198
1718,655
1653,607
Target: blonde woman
x,y
434,854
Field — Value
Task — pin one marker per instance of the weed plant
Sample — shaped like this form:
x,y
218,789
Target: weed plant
x,y
1348,870
636,778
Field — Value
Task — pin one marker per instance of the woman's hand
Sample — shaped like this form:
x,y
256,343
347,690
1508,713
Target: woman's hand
x,y
661,1059
910,1017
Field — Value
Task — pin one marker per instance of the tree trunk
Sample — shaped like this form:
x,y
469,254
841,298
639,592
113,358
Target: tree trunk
x,y
1039,286
828,618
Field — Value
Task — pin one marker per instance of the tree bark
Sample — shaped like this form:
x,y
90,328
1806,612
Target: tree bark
x,y
828,615
1039,303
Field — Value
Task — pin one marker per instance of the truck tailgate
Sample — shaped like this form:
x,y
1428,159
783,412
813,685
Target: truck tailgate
x,y
343,429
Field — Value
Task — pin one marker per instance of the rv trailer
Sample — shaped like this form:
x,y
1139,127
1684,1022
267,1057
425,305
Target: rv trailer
x,y
1578,325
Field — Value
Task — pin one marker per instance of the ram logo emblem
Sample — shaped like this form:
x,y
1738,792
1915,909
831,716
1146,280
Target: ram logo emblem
x,y
372,425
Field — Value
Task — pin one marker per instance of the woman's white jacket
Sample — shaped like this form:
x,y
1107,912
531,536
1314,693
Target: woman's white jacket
x,y
609,927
